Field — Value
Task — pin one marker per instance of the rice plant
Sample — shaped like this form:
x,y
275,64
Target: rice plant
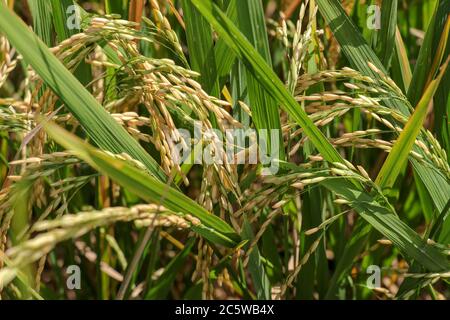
x,y
226,149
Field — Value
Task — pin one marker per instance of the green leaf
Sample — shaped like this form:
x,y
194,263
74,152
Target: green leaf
x,y
161,287
353,44
388,224
312,208
95,120
428,52
401,59
146,187
355,244
201,48
358,53
265,75
255,266
117,6
265,114
384,219
440,231
60,18
225,57
386,34
442,98
398,157
42,19
64,11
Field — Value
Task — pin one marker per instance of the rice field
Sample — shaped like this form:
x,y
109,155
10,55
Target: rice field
x,y
226,149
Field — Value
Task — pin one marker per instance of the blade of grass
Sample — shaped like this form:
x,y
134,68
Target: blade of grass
x,y
386,44
353,44
440,231
384,219
388,224
442,104
42,25
42,20
311,217
20,222
442,110
146,186
268,79
402,60
201,48
439,53
162,286
355,244
270,251
358,52
398,156
252,24
62,10
256,267
94,119
225,57
428,52
117,6
60,18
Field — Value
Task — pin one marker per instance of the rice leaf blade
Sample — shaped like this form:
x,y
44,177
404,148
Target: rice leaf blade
x,y
386,45
201,48
384,220
399,154
160,289
146,187
265,75
95,120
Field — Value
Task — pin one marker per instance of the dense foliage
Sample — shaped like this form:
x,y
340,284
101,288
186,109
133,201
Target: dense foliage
x,y
253,149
